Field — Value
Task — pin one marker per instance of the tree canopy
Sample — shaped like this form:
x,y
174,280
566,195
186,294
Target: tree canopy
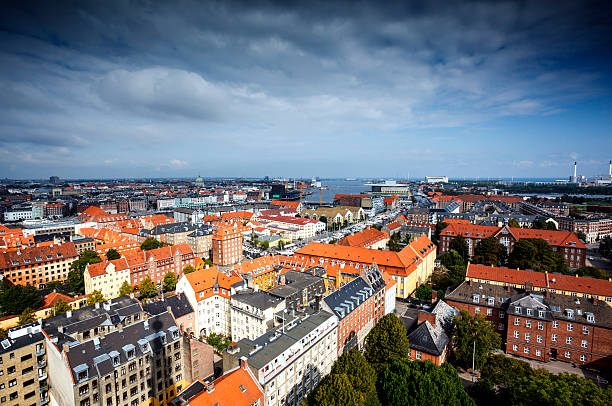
x,y
15,299
361,375
77,269
436,235
543,225
188,269
416,383
592,272
423,292
466,330
147,287
150,244
218,342
513,223
95,297
112,254
125,289
27,316
489,251
387,341
61,307
460,245
170,281
536,254
335,390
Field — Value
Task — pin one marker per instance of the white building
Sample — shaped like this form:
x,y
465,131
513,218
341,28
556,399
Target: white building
x,y
296,357
436,179
252,313
18,214
209,292
106,277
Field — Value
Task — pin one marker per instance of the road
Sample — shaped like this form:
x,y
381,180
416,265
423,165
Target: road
x,y
597,260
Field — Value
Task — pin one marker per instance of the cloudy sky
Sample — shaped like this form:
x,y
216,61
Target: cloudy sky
x,y
152,88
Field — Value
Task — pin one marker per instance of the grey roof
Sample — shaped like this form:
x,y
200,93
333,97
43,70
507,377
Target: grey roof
x,y
264,349
295,282
96,355
111,312
191,391
172,228
260,300
433,338
201,229
346,299
12,344
178,304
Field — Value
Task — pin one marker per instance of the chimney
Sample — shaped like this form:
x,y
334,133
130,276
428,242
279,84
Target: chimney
x,y
595,302
169,309
610,169
507,288
423,316
60,328
243,362
528,286
69,314
574,169
210,387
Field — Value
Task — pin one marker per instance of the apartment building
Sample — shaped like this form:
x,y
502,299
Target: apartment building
x,y
36,266
409,268
83,244
158,262
568,285
307,228
200,241
106,277
542,325
289,361
253,312
141,363
564,242
358,305
23,367
226,246
299,289
172,234
369,238
430,340
209,293
593,229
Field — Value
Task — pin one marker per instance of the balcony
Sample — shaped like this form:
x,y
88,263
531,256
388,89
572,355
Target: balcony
x,y
44,400
40,351
43,376
41,363
43,388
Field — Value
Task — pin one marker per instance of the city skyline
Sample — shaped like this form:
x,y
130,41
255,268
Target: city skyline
x,y
230,89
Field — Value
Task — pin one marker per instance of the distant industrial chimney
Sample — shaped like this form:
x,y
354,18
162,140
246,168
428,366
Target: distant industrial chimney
x,y
574,169
610,169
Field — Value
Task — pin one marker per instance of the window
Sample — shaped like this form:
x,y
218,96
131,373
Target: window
x,y
502,314
517,309
500,326
555,324
585,330
418,355
526,350
584,343
541,314
517,321
568,354
489,312
516,334
570,327
568,340
539,339
582,358
529,312
12,383
477,310
527,337
528,323
515,347
553,338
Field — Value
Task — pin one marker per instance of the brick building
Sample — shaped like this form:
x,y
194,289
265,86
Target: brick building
x,y
226,246
564,242
593,229
541,325
369,238
37,266
158,262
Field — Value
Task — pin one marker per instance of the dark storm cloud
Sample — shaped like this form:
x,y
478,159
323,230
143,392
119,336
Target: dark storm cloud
x,y
264,78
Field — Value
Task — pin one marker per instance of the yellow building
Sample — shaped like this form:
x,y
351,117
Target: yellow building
x,y
107,277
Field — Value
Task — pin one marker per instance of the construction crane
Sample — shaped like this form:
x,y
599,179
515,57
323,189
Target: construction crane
x,y
320,197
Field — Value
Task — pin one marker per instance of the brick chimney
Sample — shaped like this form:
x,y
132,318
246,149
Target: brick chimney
x,y
423,315
243,362
434,296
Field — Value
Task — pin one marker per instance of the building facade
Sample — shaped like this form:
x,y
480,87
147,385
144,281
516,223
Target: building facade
x,y
106,277
226,246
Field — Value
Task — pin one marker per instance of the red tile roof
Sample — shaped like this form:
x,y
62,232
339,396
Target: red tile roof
x,y
234,388
568,283
34,255
364,238
99,268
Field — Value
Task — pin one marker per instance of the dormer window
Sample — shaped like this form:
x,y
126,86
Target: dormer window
x,y
475,298
38,258
541,314
530,312
590,317
517,309
491,301
59,255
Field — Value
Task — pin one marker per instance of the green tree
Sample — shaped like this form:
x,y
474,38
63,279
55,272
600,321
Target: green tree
x,y
436,235
77,269
218,342
170,281
265,244
281,245
3,333
27,316
513,223
605,247
147,288
489,251
150,244
543,225
112,254
460,245
61,307
95,297
15,299
547,389
323,219
536,254
423,292
360,373
581,235
188,269
592,272
125,289
387,341
497,378
466,330
451,258
334,390
415,383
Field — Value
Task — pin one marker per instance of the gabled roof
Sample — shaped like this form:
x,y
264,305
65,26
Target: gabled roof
x,y
99,269
364,238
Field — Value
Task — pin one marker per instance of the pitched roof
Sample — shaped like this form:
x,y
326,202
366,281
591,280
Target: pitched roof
x,y
364,238
33,255
234,388
99,269
555,281
205,279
